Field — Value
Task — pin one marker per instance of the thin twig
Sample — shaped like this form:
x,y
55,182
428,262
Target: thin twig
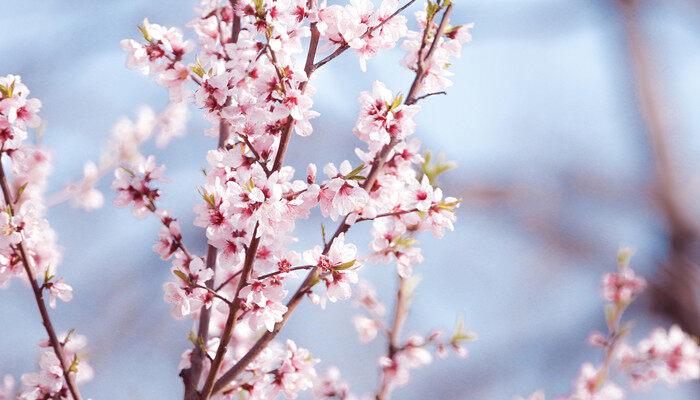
x,y
400,314
429,94
340,50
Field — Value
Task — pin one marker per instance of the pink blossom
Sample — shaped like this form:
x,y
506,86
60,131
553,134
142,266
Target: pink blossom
x,y
366,328
622,286
60,290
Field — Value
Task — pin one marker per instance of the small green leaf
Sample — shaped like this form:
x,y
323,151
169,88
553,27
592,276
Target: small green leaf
x,y
144,32
74,364
192,337
201,345
355,171
130,172
397,102
345,265
70,333
21,190
182,276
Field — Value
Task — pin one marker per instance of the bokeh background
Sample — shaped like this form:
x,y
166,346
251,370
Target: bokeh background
x,y
559,165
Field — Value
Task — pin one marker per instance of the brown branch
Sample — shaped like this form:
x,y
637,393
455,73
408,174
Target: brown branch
x,y
232,318
39,297
191,377
289,126
420,70
229,279
430,94
676,294
236,26
400,314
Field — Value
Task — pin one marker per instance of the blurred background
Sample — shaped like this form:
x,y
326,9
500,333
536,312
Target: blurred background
x,y
576,129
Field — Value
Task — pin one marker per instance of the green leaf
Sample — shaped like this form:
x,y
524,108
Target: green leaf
x,y
74,364
21,190
354,172
461,333
201,345
404,242
130,172
182,276
397,102
70,333
345,265
192,337
144,32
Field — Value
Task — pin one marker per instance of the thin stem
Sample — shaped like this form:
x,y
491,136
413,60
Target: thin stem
x,y
289,126
340,50
39,297
258,158
394,346
420,71
429,94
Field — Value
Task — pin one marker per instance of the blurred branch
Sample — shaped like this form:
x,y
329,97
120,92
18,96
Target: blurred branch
x,y
674,292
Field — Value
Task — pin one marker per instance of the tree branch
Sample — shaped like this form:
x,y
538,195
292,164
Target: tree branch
x,y
39,297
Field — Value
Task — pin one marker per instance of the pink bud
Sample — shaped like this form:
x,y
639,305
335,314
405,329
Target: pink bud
x,y
311,173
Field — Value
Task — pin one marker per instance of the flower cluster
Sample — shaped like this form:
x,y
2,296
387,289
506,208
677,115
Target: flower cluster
x,y
414,351
17,112
48,382
443,44
123,148
161,57
358,26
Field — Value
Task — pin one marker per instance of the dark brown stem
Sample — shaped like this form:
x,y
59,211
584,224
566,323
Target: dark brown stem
x,y
39,297
236,26
232,318
191,376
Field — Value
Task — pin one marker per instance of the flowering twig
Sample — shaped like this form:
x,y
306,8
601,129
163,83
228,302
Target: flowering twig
x,y
377,164
39,297
340,50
